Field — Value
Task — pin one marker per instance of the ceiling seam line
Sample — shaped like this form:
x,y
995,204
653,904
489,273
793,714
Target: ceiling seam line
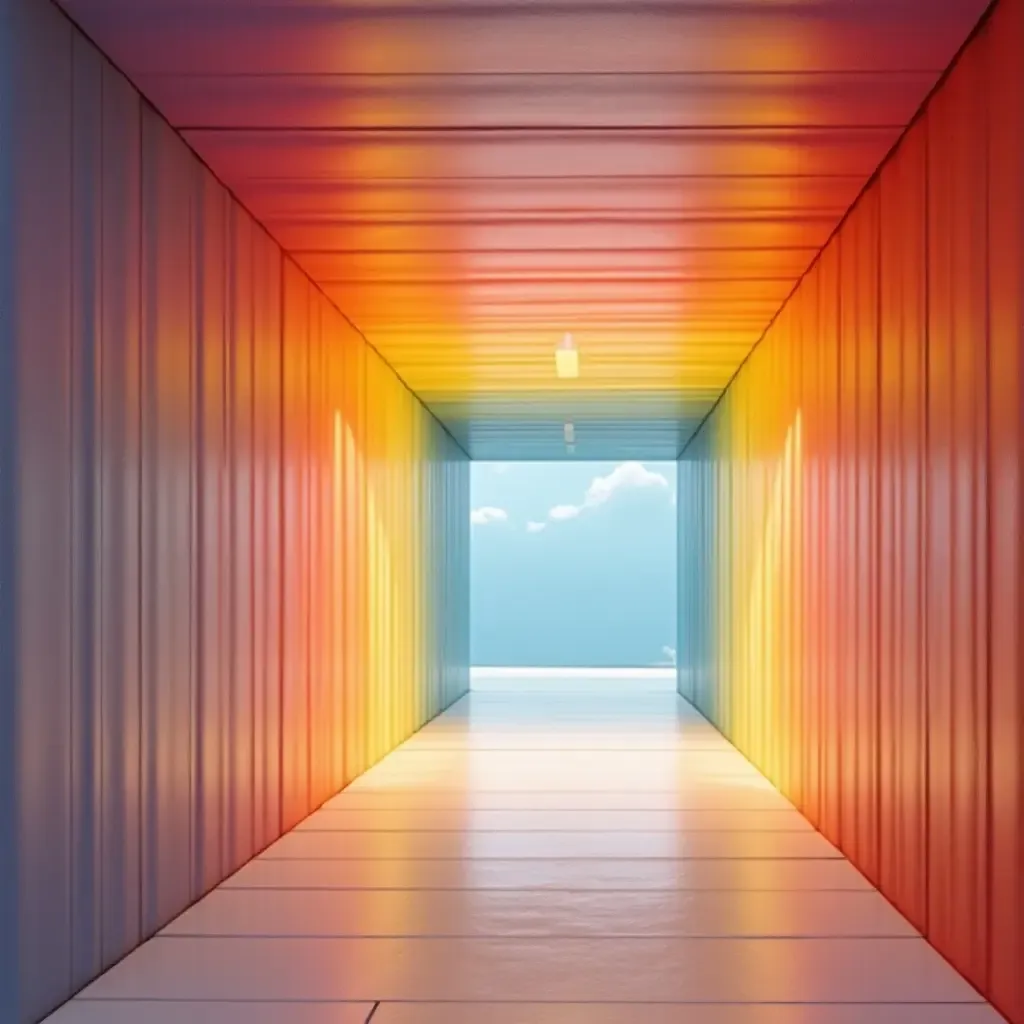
x,y
473,75
527,129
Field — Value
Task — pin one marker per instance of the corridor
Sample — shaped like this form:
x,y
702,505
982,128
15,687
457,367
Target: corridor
x,y
597,854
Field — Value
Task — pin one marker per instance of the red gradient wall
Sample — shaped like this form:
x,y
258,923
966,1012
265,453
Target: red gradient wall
x,y
851,520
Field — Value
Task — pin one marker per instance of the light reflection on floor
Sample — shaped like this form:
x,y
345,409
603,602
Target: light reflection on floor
x,y
571,849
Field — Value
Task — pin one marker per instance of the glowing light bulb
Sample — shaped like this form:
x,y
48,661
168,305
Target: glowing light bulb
x,y
567,359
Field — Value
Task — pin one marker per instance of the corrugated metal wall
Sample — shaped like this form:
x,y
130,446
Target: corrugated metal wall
x,y
234,546
850,529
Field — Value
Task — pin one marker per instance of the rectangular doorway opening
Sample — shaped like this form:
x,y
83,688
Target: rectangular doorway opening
x,y
573,574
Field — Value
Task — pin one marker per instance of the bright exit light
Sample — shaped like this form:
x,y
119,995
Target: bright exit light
x,y
567,359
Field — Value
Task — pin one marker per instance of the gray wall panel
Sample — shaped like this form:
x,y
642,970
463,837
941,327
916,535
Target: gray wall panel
x,y
42,241
118,565
167,361
295,679
85,691
8,545
211,780
318,571
267,537
239,816
196,643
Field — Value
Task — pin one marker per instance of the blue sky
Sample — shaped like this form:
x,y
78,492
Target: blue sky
x,y
573,564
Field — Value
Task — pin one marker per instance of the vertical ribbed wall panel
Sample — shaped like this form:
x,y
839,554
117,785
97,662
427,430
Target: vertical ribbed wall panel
x,y
234,545
1004,118
850,524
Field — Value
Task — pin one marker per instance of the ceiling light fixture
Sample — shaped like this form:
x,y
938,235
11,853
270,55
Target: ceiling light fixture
x,y
567,359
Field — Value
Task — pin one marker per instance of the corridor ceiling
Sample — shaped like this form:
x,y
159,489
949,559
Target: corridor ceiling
x,y
470,180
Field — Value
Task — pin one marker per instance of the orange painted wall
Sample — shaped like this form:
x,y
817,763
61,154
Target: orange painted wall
x,y
850,529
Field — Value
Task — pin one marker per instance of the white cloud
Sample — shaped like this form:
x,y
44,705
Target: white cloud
x,y
535,527
669,659
487,514
626,475
564,512
629,474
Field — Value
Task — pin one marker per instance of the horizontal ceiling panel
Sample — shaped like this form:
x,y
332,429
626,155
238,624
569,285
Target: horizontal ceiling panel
x,y
470,180
626,371
604,329
551,235
517,292
382,154
609,368
285,197
612,444
439,265
648,341
604,425
512,37
691,360
563,100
